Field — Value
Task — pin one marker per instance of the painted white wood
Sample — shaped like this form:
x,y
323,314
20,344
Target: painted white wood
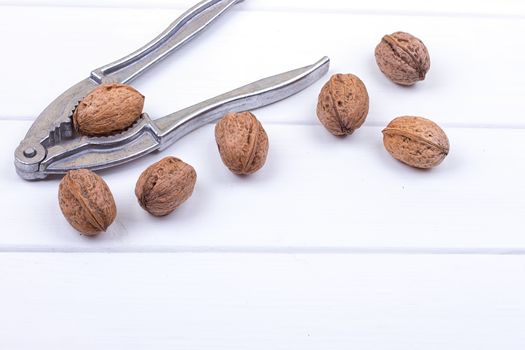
x,y
475,78
316,191
261,301
317,194
448,7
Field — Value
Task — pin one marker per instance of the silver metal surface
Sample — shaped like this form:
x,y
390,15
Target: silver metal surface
x,y
258,94
182,30
51,146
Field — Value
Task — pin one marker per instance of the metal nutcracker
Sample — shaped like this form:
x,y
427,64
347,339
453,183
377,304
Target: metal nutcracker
x,y
52,146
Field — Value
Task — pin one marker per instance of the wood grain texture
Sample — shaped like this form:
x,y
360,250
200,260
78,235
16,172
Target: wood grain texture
x,y
315,191
261,301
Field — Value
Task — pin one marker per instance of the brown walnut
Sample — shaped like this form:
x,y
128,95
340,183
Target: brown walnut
x,y
86,201
343,104
242,142
165,185
108,109
416,141
403,58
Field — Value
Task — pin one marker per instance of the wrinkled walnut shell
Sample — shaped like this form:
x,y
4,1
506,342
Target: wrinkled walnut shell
x,y
343,104
86,201
416,141
165,185
242,142
108,109
403,58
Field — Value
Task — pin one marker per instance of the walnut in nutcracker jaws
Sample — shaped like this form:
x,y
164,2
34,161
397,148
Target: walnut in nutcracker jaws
x,y
165,185
403,58
416,141
107,109
343,104
242,142
86,201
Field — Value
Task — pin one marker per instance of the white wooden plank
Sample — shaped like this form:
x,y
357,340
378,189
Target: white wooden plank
x,y
468,84
262,301
315,192
465,7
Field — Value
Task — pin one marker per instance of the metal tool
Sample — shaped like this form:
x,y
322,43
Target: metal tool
x,y
51,146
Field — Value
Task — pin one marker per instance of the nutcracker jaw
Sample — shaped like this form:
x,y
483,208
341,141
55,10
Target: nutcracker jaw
x,y
52,146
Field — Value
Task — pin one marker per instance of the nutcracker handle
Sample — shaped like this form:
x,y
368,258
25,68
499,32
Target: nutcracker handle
x,y
181,31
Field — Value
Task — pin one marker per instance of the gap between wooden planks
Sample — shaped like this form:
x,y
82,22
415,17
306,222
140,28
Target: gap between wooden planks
x,y
315,192
467,85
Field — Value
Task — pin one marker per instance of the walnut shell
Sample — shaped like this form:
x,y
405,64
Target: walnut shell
x,y
242,142
343,104
403,58
165,185
107,109
86,201
416,141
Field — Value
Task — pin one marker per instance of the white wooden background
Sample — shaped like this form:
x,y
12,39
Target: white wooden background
x,y
334,244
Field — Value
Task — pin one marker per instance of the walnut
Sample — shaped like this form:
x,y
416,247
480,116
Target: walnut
x,y
343,104
416,141
165,185
86,201
242,142
403,58
108,109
